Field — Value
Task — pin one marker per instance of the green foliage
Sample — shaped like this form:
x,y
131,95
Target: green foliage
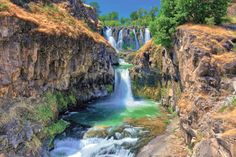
x,y
164,92
177,12
3,7
53,103
45,111
141,17
109,88
210,21
64,101
56,128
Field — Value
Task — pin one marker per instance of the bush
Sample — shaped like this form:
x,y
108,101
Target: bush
x,y
56,128
210,21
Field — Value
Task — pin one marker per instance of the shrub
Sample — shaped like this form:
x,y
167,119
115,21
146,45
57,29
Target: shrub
x,y
210,21
56,128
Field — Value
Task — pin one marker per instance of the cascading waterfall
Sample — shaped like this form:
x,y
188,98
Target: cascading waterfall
x,y
136,40
147,35
120,40
141,36
123,89
110,38
99,129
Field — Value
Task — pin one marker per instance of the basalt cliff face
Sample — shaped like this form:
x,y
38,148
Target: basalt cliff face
x,y
38,54
146,74
203,64
46,47
198,78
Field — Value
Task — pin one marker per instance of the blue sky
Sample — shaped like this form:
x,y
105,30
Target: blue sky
x,y
124,7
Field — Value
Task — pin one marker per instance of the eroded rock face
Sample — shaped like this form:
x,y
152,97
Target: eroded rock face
x,y
146,73
204,62
32,62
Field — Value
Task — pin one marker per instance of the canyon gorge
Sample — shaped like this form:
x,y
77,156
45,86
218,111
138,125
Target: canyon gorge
x,y
70,87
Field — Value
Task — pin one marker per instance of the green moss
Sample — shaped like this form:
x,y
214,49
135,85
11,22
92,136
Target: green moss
x,y
56,128
164,92
4,7
65,101
109,88
144,91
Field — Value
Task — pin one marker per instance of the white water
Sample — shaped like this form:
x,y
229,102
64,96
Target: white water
x,y
92,147
141,36
120,40
123,91
104,147
147,35
110,38
136,40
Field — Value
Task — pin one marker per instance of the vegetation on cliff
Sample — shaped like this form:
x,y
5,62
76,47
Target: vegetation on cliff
x,y
177,12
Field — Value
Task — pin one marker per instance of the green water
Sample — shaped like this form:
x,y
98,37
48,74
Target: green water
x,y
112,114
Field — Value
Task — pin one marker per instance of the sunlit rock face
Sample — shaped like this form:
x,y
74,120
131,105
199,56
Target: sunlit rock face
x,y
146,72
202,63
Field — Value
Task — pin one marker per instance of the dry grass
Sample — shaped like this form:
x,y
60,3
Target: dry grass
x,y
184,104
214,30
225,58
53,19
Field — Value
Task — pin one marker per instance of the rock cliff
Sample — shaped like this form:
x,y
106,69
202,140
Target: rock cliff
x,y
203,64
146,73
46,48
198,77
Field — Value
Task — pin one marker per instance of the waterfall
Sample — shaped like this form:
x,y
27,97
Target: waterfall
x,y
136,40
123,91
120,40
110,38
141,36
147,35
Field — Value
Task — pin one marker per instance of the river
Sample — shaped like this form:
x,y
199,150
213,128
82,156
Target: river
x,y
101,130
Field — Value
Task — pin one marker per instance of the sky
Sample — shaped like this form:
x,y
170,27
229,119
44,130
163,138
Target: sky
x,y
124,7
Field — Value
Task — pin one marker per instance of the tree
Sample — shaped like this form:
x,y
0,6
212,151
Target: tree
x,y
177,12
134,16
96,6
113,16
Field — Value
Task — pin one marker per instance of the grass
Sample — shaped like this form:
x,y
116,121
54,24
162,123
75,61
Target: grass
x,y
51,19
4,7
55,129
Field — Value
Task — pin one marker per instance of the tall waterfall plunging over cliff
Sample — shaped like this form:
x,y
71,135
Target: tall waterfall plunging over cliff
x,y
127,38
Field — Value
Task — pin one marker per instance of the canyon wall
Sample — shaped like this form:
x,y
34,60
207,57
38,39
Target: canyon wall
x,y
46,48
198,77
203,65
